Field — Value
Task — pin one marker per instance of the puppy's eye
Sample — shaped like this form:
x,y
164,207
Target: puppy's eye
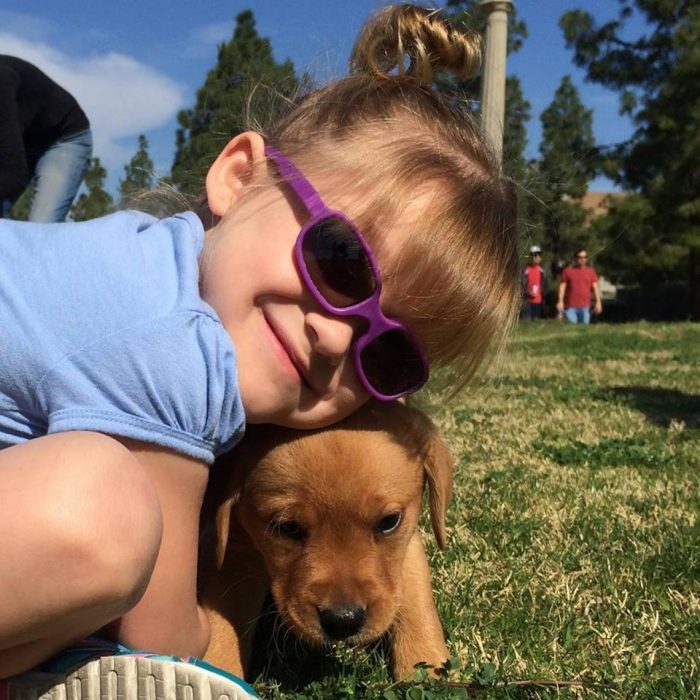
x,y
289,529
389,523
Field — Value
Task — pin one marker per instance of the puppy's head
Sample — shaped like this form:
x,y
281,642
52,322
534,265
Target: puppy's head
x,y
332,512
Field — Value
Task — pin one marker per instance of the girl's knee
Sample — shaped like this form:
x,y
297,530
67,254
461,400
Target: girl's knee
x,y
105,516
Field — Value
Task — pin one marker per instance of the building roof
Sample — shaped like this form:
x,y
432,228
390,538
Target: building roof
x,y
598,203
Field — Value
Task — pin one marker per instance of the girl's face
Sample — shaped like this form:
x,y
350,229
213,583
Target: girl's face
x,y
295,365
294,362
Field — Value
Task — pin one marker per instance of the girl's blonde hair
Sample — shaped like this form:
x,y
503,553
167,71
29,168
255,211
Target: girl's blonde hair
x,y
396,141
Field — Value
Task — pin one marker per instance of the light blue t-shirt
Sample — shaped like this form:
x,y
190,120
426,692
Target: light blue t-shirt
x,y
102,328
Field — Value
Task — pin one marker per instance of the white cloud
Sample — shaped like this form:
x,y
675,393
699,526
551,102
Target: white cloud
x,y
121,96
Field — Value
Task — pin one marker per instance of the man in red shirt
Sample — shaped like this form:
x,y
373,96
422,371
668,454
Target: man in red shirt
x,y
534,285
577,282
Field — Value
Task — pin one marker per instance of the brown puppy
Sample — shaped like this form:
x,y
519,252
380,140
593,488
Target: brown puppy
x,y
327,520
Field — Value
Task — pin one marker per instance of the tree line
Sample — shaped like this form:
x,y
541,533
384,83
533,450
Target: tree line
x,y
650,235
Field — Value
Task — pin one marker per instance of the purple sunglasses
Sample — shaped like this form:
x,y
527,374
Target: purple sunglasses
x,y
338,267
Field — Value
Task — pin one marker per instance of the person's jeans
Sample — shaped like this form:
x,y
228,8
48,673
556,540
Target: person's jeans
x,y
531,311
578,314
58,175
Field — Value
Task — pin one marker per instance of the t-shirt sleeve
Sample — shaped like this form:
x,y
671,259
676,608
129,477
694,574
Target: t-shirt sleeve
x,y
171,382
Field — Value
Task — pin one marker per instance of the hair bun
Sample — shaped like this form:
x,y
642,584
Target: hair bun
x,y
425,37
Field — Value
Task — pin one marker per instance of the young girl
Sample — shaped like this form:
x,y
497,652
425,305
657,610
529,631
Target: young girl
x,y
134,349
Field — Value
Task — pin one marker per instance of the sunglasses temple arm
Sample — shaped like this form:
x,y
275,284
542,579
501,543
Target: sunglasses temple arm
x,y
301,186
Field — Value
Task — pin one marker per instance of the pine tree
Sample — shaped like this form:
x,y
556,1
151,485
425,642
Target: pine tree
x,y
515,130
245,66
657,75
138,173
96,202
567,164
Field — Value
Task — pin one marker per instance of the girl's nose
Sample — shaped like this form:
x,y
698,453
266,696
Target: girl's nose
x,y
331,336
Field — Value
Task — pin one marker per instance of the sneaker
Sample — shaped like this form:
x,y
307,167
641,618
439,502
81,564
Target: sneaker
x,y
97,670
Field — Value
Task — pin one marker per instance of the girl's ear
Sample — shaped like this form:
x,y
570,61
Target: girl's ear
x,y
226,177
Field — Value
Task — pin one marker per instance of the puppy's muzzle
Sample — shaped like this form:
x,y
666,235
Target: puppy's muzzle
x,y
342,622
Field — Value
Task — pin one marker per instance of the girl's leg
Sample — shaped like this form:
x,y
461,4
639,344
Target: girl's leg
x,y
80,529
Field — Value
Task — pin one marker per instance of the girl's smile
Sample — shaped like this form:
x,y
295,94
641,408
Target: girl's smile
x,y
288,356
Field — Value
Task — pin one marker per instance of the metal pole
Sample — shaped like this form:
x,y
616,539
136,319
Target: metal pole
x,y
493,80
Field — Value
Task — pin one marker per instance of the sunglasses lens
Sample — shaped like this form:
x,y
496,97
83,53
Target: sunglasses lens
x,y
337,263
392,363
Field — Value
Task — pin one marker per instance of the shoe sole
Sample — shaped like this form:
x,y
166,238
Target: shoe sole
x,y
129,678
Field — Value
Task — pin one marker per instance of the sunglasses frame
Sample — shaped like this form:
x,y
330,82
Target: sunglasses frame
x,y
368,309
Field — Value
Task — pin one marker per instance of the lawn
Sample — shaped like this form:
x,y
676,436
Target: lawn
x,y
573,563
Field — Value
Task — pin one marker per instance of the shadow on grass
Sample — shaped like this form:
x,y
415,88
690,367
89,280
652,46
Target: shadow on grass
x,y
661,406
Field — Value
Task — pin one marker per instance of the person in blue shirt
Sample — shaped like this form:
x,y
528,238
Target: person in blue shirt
x,y
369,234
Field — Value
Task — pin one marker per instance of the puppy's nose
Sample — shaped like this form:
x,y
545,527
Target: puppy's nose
x,y
342,622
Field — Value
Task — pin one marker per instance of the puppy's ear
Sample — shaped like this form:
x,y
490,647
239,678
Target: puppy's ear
x,y
226,480
439,468
223,524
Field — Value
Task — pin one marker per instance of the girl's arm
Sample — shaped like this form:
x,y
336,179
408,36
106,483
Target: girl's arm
x,y
167,619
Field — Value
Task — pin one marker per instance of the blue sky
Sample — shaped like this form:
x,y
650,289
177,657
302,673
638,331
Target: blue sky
x,y
133,64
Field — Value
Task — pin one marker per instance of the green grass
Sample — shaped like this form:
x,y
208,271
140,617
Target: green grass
x,y
573,564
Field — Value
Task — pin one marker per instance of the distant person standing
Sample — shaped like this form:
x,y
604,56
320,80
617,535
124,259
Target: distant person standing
x,y
534,285
577,283
45,137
